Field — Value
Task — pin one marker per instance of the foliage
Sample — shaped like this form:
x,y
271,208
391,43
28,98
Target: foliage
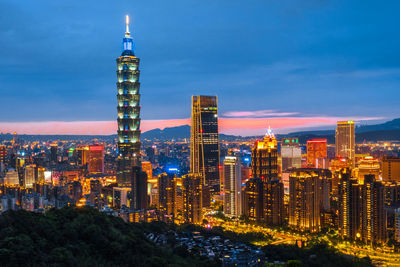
x,y
316,255
82,237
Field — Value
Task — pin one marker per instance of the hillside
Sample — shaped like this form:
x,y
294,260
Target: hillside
x,y
80,237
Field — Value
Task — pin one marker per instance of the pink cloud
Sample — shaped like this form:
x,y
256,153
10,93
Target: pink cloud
x,y
235,126
258,114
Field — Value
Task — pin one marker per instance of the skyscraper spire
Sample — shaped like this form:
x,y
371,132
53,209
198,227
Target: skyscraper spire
x,y
127,33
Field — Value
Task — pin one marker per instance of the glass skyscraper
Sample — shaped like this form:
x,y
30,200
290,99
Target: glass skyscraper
x,y
128,110
204,143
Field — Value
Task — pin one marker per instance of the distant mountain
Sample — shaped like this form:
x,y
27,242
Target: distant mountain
x,y
379,132
389,125
179,132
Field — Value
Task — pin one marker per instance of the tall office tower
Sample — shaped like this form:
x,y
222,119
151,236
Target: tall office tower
x,y
373,214
204,144
349,195
53,153
273,200
192,198
140,199
253,204
96,159
128,110
166,193
304,200
40,175
232,186
290,154
82,155
367,166
391,169
29,176
317,153
345,140
264,158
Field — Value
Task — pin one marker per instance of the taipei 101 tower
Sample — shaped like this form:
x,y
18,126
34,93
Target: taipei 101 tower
x,y
128,112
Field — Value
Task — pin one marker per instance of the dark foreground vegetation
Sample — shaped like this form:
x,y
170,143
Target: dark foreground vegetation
x,y
81,237
87,237
314,255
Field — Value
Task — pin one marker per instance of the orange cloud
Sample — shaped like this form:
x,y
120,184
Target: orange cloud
x,y
235,126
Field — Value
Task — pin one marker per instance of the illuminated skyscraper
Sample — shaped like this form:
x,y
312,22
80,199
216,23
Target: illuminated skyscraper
x,y
253,200
232,186
373,213
290,153
317,153
349,201
96,159
304,200
192,198
366,166
273,201
345,140
128,110
166,194
264,158
391,169
204,145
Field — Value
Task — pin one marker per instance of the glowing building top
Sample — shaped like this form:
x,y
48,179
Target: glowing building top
x,y
128,97
127,44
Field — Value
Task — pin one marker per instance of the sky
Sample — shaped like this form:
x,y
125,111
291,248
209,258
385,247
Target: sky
x,y
292,65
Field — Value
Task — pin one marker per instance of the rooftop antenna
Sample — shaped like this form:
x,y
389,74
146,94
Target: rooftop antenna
x,y
127,33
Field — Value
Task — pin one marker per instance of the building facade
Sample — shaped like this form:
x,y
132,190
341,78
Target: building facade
x,y
232,186
345,140
317,153
290,154
304,200
204,144
128,98
264,158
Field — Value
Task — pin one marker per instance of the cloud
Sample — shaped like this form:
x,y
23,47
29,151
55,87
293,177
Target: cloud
x,y
234,126
258,114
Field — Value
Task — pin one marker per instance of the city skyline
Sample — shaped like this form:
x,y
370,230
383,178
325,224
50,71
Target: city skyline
x,y
326,61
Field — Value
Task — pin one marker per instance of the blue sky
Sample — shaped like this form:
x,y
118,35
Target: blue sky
x,y
312,58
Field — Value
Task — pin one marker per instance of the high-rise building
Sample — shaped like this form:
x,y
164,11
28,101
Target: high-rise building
x,y
290,154
304,200
204,144
53,153
96,159
140,199
367,166
128,98
349,201
317,153
29,176
345,140
264,158
232,186
253,200
82,155
273,203
166,194
391,169
373,214
192,198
